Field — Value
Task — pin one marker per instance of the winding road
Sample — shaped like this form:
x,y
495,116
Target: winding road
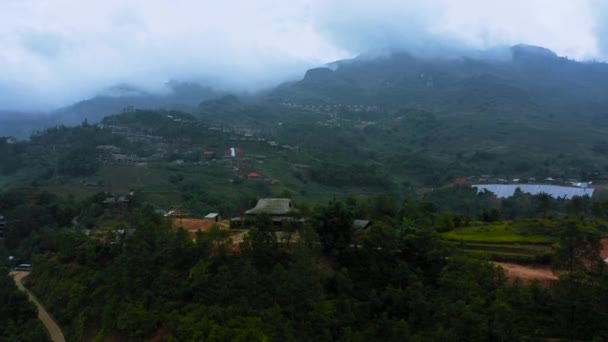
x,y
43,315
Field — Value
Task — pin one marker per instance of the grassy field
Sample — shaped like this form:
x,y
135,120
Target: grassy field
x,y
514,252
500,232
528,241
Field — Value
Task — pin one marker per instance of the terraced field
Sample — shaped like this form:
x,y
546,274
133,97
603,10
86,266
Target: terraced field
x,y
525,241
516,252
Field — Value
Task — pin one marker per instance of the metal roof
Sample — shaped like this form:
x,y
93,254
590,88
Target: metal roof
x,y
361,224
555,191
272,206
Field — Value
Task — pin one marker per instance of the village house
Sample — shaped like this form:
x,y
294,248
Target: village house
x,y
115,205
104,152
215,217
253,175
280,210
361,224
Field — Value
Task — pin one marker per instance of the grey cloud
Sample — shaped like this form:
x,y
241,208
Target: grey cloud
x,y
601,26
74,49
43,44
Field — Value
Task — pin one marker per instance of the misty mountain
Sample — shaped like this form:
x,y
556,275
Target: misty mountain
x,y
184,96
530,80
22,124
180,96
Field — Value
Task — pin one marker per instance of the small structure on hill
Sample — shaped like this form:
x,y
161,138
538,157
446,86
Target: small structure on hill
x,y
115,205
215,217
177,212
253,175
279,210
361,224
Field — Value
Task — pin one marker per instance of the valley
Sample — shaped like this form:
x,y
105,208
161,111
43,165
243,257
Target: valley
x,y
373,199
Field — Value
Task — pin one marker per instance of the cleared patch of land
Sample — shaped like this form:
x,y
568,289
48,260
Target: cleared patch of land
x,y
528,273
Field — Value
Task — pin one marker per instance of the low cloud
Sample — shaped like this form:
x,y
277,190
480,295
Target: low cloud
x,y
55,53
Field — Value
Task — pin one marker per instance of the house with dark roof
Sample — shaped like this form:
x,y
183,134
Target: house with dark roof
x,y
279,210
115,205
361,224
273,207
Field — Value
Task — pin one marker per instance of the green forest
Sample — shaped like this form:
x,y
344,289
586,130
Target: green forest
x,y
398,279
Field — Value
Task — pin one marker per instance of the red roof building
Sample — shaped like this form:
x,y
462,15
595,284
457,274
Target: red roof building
x,y
253,175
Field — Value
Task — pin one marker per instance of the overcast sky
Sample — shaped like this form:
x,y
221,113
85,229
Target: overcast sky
x,y
53,52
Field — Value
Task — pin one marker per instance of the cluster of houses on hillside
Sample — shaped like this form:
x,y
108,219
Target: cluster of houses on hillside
x,y
239,133
248,134
330,108
110,154
133,135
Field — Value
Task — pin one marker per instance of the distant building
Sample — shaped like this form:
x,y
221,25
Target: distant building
x,y
273,206
24,267
361,224
115,205
177,213
279,210
125,159
253,175
214,217
105,152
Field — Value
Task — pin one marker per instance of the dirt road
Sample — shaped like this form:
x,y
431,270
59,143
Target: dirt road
x,y
43,315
